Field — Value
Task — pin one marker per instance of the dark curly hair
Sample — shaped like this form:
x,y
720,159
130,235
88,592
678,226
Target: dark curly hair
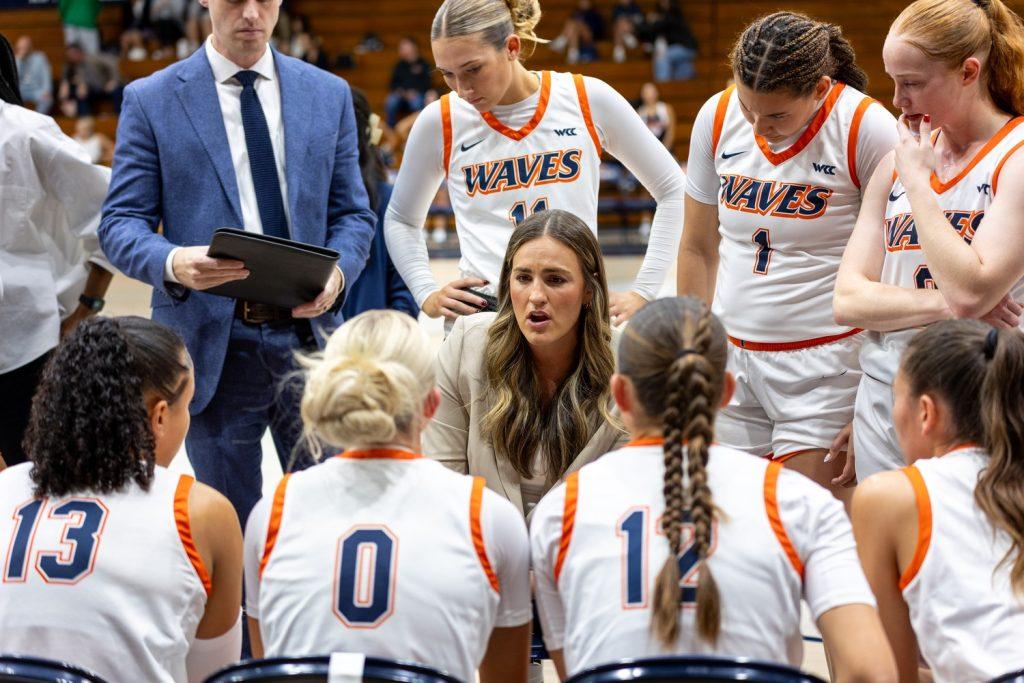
x,y
89,428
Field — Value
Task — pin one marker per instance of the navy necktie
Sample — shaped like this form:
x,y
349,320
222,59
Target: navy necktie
x,y
261,159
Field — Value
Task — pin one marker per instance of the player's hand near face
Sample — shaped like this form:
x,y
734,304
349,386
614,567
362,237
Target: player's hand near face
x,y
915,156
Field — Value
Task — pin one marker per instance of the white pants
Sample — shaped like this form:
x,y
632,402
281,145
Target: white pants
x,y
874,439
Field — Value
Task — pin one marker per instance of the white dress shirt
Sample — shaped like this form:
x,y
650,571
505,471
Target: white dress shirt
x,y
50,200
229,93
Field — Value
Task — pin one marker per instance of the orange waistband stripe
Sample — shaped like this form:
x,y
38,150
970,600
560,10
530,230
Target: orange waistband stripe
x,y
476,499
924,525
184,524
771,505
794,345
572,490
274,524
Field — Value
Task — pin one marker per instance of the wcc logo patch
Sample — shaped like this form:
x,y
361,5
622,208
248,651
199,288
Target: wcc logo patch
x,y
563,132
824,168
559,166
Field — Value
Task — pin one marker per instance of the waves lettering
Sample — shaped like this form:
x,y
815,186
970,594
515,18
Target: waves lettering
x,y
559,166
769,198
901,233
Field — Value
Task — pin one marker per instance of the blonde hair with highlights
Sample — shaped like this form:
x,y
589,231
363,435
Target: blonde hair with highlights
x,y
369,384
496,20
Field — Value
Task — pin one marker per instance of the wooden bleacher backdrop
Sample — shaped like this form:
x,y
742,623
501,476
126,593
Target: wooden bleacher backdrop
x,y
342,24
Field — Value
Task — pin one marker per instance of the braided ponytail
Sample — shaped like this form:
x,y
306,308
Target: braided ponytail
x,y
687,402
844,61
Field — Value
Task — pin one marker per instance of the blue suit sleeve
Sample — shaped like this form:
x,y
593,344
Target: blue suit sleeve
x,y
133,207
350,222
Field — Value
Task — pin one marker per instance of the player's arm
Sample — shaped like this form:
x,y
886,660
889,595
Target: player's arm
x,y
255,541
972,277
860,298
545,539
884,511
218,538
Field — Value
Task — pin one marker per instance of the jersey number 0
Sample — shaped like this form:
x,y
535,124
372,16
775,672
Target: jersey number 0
x,y
364,590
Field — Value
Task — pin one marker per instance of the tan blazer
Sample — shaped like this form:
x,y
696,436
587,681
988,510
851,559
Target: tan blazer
x,y
453,436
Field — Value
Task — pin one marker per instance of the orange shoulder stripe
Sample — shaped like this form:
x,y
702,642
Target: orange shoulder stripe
x,y
274,523
939,187
999,166
476,531
720,111
771,504
851,145
572,492
581,93
184,524
446,130
924,525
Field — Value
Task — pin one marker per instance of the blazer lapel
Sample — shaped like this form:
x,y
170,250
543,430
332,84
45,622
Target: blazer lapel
x,y
198,96
298,103
509,479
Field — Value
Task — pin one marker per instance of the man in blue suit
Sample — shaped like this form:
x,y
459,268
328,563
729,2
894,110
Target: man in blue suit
x,y
237,135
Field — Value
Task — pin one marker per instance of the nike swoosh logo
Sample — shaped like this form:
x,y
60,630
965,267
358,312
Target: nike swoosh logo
x,y
894,197
734,154
466,148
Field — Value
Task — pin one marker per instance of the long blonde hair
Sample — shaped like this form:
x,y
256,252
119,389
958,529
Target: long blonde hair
x,y
517,423
950,31
495,20
369,384
673,351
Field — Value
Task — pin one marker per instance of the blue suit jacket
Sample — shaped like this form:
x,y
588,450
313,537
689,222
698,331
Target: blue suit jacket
x,y
172,165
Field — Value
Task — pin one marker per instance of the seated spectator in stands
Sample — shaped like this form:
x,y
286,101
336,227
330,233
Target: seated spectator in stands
x,y
198,25
97,145
627,17
34,77
410,81
168,17
581,31
659,116
675,46
133,45
79,20
311,51
299,35
88,80
379,285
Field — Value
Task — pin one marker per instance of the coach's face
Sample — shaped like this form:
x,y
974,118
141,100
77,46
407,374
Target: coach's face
x,y
242,28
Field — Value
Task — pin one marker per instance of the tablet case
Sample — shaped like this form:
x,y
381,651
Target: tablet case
x,y
281,272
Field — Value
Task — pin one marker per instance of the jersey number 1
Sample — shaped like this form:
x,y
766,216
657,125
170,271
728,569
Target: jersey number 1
x,y
364,590
80,541
764,252
517,214
633,530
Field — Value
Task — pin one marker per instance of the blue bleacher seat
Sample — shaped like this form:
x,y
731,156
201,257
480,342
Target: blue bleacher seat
x,y
18,669
700,669
1012,677
314,669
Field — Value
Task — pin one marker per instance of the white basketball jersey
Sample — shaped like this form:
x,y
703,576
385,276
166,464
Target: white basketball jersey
x,y
112,582
964,200
598,547
498,176
785,219
389,554
968,621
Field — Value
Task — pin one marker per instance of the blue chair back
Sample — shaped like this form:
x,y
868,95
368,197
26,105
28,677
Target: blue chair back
x,y
315,669
698,669
1012,677
19,669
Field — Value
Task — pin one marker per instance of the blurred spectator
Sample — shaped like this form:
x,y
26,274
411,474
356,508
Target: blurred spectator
x,y
675,46
79,20
370,43
97,145
583,28
312,52
299,36
34,76
197,25
626,18
88,80
659,116
410,81
133,45
168,19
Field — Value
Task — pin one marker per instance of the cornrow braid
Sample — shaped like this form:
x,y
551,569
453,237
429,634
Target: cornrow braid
x,y
790,51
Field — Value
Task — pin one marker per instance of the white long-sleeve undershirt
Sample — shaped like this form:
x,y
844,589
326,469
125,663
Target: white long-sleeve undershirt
x,y
622,133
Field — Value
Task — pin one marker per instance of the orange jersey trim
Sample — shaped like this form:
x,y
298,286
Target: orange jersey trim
x,y
851,144
999,166
794,345
786,456
941,187
446,130
581,93
652,441
805,138
184,524
274,524
379,454
538,114
771,505
476,531
924,525
572,492
720,112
